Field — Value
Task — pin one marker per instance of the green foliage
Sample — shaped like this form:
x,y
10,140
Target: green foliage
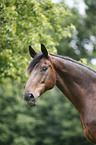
x,y
82,44
53,121
29,22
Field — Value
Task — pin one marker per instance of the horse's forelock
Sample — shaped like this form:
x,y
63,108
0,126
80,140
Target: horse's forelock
x,y
35,60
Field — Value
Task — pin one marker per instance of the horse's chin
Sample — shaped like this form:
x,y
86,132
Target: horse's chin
x,y
31,104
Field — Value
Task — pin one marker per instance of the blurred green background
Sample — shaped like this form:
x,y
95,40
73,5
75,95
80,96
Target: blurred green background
x,y
65,30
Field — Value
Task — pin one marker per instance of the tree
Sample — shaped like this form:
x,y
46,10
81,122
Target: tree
x,y
90,22
28,22
53,121
82,43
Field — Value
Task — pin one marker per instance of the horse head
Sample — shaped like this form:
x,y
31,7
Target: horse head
x,y
42,75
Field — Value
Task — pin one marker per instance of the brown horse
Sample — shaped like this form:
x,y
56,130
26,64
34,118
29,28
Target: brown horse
x,y
76,80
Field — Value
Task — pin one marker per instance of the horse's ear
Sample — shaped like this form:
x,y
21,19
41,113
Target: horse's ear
x,y
32,52
44,51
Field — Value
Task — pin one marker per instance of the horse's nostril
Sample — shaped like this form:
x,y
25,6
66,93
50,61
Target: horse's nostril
x,y
31,96
26,98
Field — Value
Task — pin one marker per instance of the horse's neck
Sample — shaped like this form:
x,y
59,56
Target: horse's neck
x,y
78,83
75,81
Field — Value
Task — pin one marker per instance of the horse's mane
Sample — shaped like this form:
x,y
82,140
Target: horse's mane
x,y
37,58
34,61
74,61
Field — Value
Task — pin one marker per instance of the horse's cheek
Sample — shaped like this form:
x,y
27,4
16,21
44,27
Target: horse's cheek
x,y
50,81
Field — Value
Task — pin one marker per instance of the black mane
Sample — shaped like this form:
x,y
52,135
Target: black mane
x,y
74,61
35,60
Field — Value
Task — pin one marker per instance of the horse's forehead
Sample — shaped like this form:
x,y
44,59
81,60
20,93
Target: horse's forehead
x,y
44,61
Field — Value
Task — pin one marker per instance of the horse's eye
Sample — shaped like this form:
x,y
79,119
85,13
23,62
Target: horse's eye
x,y
44,68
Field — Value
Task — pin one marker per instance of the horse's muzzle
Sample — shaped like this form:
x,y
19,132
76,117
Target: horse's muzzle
x,y
29,98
